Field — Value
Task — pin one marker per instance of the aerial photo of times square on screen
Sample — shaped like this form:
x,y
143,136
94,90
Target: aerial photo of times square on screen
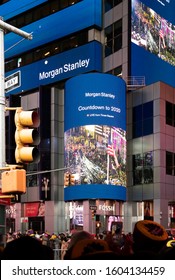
x,y
152,32
96,154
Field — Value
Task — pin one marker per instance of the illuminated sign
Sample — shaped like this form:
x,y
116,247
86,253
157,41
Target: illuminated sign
x,y
153,41
64,69
76,214
165,8
56,68
106,207
33,209
95,136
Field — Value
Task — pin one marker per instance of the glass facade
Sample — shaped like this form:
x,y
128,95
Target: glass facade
x,y
143,119
109,4
113,37
143,168
170,163
170,113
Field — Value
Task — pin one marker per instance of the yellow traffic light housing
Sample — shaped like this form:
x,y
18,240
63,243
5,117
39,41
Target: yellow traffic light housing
x,y
66,179
72,179
14,181
26,136
93,213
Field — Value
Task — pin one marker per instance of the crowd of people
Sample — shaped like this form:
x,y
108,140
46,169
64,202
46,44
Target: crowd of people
x,y
149,240
56,243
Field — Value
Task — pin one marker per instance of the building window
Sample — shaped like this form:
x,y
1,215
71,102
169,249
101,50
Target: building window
x,y
113,38
143,168
170,113
3,1
143,119
32,180
170,163
109,4
50,49
116,71
39,12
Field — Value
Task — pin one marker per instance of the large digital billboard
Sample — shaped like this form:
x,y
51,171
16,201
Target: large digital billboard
x,y
153,40
95,136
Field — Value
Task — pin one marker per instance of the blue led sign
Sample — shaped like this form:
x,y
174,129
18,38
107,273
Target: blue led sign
x,y
95,136
59,67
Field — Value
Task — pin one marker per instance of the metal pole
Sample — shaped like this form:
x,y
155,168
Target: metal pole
x,y
5,26
2,101
11,28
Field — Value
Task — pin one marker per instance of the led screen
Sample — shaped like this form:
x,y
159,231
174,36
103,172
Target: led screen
x,y
96,154
153,41
95,134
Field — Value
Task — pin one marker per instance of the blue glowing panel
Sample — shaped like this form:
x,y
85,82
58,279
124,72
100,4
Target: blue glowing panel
x,y
85,14
97,99
95,136
56,68
12,8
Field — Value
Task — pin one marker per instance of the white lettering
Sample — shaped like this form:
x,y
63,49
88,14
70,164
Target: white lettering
x,y
72,66
106,207
66,68
92,94
50,74
11,82
101,94
92,107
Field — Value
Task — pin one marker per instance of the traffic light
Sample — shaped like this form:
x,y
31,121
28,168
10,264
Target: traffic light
x,y
93,213
71,179
26,136
98,224
14,181
66,179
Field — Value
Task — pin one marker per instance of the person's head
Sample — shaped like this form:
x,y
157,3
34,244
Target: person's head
x,y
77,236
26,248
168,251
149,236
92,249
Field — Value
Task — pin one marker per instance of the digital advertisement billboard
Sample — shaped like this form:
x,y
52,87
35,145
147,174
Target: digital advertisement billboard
x,y
95,136
153,40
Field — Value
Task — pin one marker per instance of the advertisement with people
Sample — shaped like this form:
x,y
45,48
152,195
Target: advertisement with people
x,y
34,209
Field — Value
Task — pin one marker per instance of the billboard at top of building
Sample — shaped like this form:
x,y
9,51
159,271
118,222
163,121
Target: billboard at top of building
x,y
95,137
153,40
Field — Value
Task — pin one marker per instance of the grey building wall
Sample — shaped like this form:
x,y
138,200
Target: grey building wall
x,y
162,190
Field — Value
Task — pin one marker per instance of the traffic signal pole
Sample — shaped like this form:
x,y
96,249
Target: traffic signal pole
x,y
5,26
2,101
